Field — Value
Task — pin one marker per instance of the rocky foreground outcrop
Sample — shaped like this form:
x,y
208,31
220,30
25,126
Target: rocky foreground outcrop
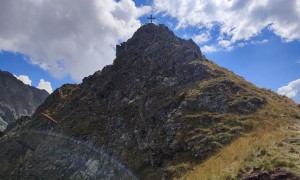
x,y
161,103
277,174
17,99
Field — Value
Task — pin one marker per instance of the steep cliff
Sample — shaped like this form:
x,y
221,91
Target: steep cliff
x,y
17,99
159,105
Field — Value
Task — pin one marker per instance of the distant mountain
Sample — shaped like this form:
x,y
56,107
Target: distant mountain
x,y
17,99
160,110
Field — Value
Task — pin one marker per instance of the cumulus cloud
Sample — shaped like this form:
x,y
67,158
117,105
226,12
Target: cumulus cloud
x,y
45,85
202,38
209,49
65,37
260,42
25,79
225,44
292,90
238,20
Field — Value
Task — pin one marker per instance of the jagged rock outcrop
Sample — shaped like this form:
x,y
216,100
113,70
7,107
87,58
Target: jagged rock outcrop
x,y
160,103
17,99
276,174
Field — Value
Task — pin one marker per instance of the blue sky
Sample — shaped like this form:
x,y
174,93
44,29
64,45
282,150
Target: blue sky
x,y
51,41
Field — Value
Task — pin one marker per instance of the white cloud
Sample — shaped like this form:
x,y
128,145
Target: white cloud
x,y
202,38
65,37
225,44
25,79
209,49
298,62
260,42
238,20
292,90
45,85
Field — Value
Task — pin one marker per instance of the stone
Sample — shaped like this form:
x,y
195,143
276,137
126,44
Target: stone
x,y
17,99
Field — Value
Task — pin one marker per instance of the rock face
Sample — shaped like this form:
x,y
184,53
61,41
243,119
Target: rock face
x,y
278,173
17,99
159,104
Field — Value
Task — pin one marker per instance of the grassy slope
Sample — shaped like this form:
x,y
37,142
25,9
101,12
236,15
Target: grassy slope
x,y
274,141
252,133
266,147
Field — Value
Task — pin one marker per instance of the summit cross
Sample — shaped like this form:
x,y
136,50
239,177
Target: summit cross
x,y
151,18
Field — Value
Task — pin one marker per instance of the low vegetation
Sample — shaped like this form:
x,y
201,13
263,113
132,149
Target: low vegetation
x,y
267,138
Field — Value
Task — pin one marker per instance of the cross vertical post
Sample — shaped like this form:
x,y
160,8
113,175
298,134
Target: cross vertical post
x,y
151,18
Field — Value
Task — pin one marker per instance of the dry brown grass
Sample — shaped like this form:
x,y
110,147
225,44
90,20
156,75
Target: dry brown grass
x,y
256,148
245,151
231,158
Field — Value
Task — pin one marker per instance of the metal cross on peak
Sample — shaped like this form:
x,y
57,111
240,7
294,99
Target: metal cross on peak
x,y
151,18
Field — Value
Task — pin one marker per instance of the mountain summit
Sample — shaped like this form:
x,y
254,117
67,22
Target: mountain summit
x,y
159,110
17,99
154,39
155,54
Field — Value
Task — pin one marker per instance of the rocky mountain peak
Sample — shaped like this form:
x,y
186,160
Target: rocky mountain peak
x,y
17,99
153,57
152,29
150,38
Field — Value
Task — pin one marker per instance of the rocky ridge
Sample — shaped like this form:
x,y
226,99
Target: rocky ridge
x,y
17,99
161,103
